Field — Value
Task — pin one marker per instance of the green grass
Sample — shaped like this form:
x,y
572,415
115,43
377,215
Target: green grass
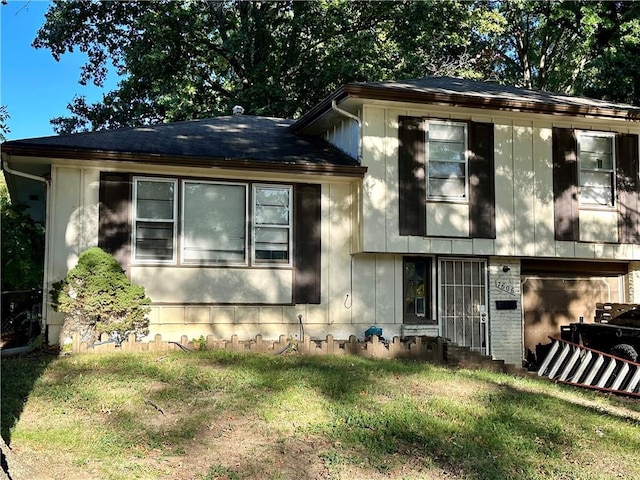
x,y
232,416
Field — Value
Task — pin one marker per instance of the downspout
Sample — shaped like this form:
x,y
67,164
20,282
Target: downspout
x,y
45,272
335,108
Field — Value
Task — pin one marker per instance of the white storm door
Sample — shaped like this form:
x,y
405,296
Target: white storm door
x,y
463,302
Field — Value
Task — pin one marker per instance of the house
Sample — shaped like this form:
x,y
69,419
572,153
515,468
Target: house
x,y
438,206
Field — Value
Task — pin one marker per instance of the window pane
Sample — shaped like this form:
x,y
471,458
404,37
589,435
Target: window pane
x,y
214,224
272,244
446,151
154,240
450,187
596,195
272,196
596,179
596,144
446,169
272,235
593,161
155,200
444,131
272,206
272,215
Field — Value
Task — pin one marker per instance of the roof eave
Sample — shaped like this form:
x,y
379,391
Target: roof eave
x,y
370,92
38,151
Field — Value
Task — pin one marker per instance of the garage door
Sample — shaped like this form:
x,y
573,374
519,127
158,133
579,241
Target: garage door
x,y
551,301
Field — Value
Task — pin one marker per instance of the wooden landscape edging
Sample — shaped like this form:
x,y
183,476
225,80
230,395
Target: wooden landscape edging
x,y
421,347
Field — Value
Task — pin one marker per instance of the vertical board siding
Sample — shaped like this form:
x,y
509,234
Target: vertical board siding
x,y
565,185
114,227
307,249
482,197
412,175
628,189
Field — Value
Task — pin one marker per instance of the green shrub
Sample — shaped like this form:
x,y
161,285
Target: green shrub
x,y
98,298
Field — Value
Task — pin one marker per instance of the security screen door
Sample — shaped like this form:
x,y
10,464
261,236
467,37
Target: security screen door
x,y
463,302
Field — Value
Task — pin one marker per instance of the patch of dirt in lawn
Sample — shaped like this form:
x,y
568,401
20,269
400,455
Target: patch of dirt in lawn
x,y
231,448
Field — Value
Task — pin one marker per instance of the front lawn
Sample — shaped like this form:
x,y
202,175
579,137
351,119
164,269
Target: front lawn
x,y
221,415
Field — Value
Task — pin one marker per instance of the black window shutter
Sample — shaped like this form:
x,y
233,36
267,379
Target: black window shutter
x,y
412,176
565,185
482,195
307,248
628,186
114,227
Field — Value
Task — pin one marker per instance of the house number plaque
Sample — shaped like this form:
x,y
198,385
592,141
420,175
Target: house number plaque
x,y
505,288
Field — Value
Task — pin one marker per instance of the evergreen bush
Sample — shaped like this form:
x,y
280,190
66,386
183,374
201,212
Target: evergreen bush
x,y
98,298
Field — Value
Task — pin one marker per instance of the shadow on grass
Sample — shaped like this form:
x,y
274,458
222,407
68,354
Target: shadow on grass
x,y
18,377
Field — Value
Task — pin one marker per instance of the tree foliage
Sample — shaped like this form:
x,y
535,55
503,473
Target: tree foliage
x,y
98,298
187,59
22,246
4,128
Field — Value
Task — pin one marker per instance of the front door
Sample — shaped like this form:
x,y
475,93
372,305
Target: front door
x,y
463,302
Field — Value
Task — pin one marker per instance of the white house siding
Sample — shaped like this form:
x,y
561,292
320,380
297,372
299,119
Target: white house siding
x,y
215,285
72,227
524,215
345,135
524,190
268,286
198,301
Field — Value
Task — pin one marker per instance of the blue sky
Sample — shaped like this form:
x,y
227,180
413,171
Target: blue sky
x,y
33,86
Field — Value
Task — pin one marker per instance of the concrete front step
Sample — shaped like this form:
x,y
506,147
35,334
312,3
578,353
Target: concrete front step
x,y
463,357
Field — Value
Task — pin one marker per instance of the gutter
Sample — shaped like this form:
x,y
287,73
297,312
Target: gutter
x,y
6,168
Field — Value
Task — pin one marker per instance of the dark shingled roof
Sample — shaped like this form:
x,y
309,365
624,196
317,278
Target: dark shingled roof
x,y
467,93
239,137
491,90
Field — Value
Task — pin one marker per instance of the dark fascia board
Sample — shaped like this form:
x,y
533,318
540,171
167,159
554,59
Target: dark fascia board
x,y
27,150
371,92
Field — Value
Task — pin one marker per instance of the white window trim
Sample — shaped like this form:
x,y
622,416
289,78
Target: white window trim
x,y
593,206
263,263
443,198
245,262
135,219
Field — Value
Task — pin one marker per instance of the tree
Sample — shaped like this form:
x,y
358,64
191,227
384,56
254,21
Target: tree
x,y
181,60
22,266
193,59
98,298
612,30
540,42
4,128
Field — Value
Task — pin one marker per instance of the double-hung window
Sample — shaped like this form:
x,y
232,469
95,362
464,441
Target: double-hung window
x,y
272,224
220,223
596,157
154,224
446,160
